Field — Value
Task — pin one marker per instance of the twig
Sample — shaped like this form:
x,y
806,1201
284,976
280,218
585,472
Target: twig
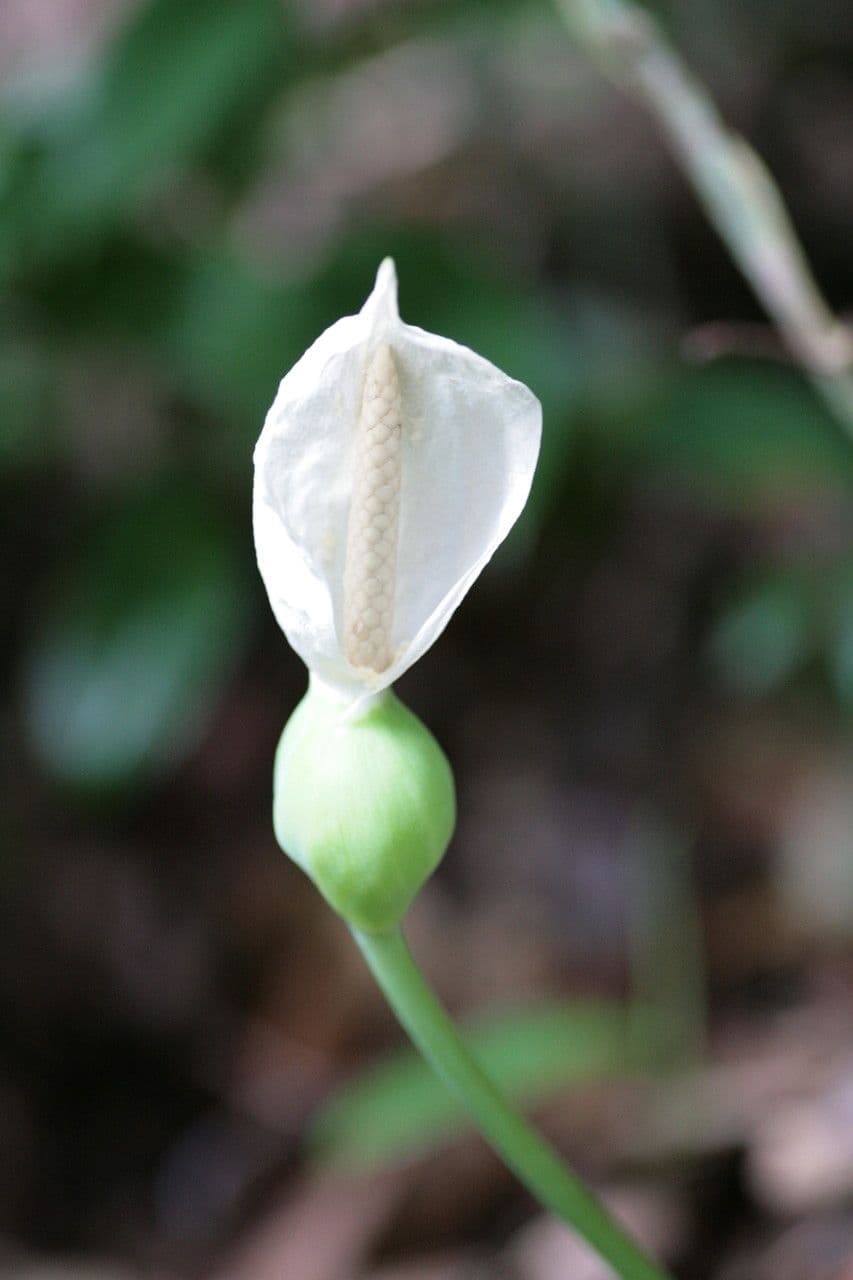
x,y
733,183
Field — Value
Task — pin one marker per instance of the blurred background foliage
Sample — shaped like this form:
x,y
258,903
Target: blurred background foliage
x,y
648,700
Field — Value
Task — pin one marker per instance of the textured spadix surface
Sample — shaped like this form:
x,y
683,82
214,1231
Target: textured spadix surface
x,y
381,425
372,532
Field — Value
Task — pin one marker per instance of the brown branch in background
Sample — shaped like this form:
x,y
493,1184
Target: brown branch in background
x,y
737,191
718,338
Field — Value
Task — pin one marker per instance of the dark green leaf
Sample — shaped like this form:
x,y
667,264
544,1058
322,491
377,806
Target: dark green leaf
x,y
747,431
27,405
136,642
766,634
173,83
841,637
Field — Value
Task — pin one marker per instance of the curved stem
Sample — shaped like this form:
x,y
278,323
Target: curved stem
x,y
526,1153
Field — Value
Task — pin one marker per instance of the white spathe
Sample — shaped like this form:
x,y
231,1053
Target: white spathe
x,y
469,444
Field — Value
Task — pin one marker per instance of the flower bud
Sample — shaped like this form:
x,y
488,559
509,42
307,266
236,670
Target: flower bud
x,y
364,805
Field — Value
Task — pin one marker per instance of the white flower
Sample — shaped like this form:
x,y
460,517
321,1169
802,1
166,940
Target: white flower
x,y
391,466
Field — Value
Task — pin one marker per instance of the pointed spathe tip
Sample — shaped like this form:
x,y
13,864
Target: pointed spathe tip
x,y
383,300
386,276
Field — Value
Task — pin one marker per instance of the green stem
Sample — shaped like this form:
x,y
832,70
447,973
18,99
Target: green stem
x,y
526,1153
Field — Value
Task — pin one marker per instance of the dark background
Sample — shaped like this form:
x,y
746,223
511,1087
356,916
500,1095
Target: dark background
x,y
647,699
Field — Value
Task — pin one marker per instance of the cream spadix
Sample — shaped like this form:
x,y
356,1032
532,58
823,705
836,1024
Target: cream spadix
x,y
371,554
392,464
